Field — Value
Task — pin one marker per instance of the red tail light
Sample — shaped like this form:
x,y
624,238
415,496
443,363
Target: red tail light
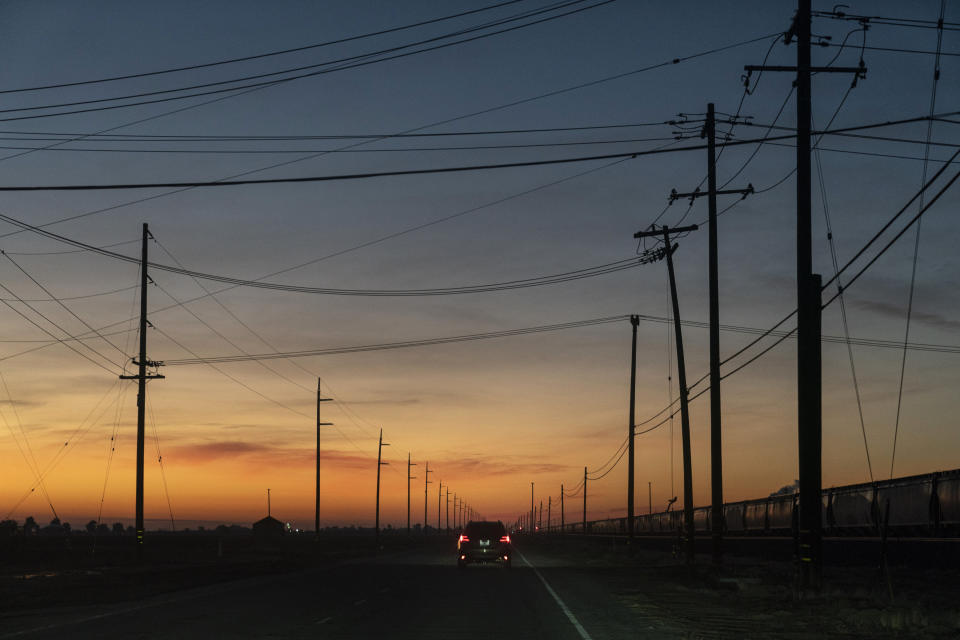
x,y
505,539
464,538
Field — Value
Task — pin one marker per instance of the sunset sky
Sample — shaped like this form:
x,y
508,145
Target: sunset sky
x,y
490,416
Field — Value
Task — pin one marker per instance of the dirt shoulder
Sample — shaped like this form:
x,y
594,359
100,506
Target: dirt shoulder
x,y
749,597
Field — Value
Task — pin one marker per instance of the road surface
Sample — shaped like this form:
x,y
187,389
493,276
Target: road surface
x,y
550,592
417,594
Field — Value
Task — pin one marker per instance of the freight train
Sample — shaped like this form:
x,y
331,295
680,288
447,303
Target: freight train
x,y
916,506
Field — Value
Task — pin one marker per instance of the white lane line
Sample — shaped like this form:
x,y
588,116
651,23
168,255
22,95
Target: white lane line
x,y
572,618
325,620
359,602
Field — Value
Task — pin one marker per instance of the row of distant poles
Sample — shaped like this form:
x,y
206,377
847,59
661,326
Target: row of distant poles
x,y
809,365
147,370
461,510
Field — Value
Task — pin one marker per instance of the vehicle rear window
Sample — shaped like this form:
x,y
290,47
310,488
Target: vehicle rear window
x,y
485,530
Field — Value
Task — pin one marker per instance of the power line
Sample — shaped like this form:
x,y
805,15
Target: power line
x,y
836,14
916,244
86,296
490,147
893,219
62,304
588,272
192,67
576,324
354,62
56,338
901,50
130,137
31,460
439,170
82,429
365,244
472,114
763,333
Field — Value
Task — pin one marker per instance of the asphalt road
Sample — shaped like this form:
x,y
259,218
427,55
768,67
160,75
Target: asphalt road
x,y
418,594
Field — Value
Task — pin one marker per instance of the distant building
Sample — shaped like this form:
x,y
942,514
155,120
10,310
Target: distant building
x,y
268,527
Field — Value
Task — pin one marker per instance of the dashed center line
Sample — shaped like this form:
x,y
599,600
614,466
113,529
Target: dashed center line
x,y
325,620
359,602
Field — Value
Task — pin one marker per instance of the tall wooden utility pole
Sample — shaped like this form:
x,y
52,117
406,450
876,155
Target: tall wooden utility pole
x,y
809,383
561,510
409,478
448,508
532,519
584,501
316,517
426,483
716,449
634,323
454,509
141,378
376,539
549,503
682,375
439,501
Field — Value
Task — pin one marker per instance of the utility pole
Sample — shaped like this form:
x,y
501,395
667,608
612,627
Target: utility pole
x,y
562,530
376,533
682,375
716,451
650,497
634,323
540,517
141,378
549,503
426,482
439,500
448,508
584,501
268,502
409,478
316,517
809,383
532,518
454,510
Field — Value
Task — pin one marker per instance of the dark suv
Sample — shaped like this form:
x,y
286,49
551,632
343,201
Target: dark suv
x,y
484,542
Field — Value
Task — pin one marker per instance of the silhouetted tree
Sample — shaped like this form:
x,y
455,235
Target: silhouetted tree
x,y
66,527
53,529
8,528
91,526
118,528
103,530
30,526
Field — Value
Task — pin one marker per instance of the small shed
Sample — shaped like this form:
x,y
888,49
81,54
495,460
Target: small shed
x,y
268,527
